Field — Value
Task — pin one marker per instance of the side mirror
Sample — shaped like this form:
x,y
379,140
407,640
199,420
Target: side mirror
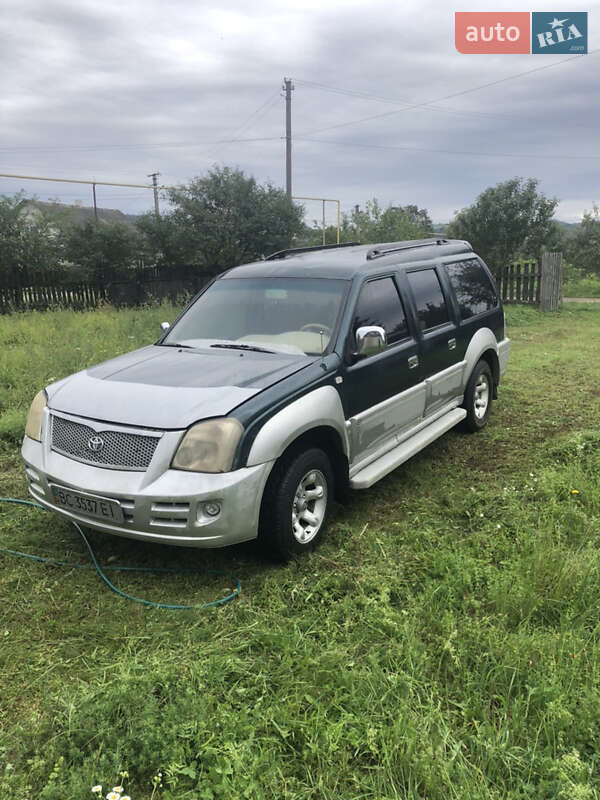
x,y
370,339
164,326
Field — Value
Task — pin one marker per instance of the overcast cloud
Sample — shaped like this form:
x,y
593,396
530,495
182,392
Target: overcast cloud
x,y
115,90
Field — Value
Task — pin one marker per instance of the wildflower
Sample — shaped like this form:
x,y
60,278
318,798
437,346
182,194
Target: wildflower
x,y
125,797
574,491
113,796
117,789
96,789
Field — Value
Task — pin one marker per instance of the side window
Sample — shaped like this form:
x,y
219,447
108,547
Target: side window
x,y
472,286
379,304
429,299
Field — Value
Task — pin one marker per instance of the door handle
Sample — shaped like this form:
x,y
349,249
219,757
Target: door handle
x,y
413,362
451,344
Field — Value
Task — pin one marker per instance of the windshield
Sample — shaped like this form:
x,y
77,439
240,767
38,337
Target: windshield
x,y
293,315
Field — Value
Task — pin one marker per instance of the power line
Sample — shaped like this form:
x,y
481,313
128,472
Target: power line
x,y
398,102
339,143
449,96
93,148
256,114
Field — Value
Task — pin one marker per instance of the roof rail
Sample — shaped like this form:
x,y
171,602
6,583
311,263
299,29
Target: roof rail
x,y
295,251
393,247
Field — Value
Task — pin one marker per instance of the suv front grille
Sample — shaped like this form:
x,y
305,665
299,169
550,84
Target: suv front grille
x,y
105,448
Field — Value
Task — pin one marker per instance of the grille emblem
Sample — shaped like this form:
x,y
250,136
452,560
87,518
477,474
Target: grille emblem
x,y
95,443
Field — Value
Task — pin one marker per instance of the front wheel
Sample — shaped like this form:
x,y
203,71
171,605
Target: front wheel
x,y
478,397
296,503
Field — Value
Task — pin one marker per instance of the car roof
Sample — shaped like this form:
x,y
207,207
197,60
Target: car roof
x,y
347,261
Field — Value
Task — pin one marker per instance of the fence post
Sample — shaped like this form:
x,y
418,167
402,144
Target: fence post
x,y
551,282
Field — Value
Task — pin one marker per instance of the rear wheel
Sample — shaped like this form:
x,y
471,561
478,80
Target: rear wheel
x,y
478,397
296,503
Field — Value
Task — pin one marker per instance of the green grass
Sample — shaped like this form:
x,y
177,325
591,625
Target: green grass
x,y
443,642
585,286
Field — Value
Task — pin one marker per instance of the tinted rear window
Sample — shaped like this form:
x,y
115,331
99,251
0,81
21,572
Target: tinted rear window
x,y
472,286
429,298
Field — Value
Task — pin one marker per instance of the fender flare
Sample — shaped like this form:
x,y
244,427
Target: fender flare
x,y
483,340
319,408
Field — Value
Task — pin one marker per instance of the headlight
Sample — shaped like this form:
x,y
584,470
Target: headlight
x,y
33,428
209,446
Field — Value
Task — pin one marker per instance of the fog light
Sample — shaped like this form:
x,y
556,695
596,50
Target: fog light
x,y
212,509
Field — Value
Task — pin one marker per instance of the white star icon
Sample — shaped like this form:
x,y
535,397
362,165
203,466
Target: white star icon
x,y
557,23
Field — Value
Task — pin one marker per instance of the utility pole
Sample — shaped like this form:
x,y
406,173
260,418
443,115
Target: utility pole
x,y
154,176
287,85
95,204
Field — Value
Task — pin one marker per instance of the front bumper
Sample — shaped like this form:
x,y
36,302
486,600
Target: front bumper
x,y
159,505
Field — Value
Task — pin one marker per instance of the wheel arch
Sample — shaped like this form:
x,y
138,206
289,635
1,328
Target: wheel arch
x,y
484,346
316,419
327,439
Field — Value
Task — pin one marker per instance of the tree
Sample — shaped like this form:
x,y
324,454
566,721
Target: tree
x,y
222,220
393,224
507,221
104,251
583,248
28,244
371,225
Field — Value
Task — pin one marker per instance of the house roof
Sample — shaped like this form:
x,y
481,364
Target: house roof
x,y
79,215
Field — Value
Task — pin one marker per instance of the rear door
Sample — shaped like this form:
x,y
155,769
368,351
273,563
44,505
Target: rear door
x,y
382,394
440,358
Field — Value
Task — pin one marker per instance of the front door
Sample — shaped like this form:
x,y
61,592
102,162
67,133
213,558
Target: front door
x,y
382,394
441,362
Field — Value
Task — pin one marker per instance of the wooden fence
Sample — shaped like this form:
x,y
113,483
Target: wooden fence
x,y
552,280
521,283
23,294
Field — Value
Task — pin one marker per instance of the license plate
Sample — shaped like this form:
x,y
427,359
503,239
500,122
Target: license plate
x,y
88,505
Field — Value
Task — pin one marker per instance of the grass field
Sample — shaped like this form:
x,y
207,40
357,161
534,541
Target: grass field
x,y
443,642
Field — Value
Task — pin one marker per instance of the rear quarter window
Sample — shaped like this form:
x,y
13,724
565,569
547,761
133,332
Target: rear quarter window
x,y
472,286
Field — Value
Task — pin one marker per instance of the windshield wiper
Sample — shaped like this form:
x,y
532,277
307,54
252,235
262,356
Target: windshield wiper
x,y
234,346
176,344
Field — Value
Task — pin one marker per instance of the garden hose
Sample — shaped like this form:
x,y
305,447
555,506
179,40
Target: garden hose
x,y
101,570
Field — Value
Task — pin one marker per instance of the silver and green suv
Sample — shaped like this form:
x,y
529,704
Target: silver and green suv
x,y
283,384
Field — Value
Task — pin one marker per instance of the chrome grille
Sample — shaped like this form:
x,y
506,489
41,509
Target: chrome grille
x,y
118,449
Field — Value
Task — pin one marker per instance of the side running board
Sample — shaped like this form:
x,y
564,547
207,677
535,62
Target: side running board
x,y
393,458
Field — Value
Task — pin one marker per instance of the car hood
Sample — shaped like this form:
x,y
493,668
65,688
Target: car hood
x,y
170,388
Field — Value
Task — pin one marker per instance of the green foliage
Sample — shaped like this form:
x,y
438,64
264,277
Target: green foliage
x,y
371,225
583,247
508,221
221,220
443,642
28,244
102,252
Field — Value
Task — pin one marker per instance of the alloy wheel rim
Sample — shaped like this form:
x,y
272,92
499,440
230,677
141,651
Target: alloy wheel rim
x,y
309,506
482,396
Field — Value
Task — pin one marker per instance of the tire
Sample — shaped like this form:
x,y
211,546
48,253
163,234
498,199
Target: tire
x,y
478,397
291,523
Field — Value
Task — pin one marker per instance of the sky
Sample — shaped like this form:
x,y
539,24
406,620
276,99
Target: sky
x,y
113,91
